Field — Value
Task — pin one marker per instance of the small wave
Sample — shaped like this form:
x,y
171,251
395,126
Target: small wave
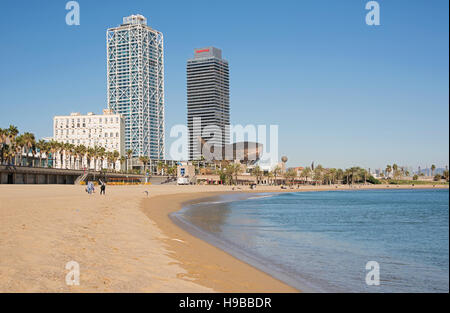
x,y
260,197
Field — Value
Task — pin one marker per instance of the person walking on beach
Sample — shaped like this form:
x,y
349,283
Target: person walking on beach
x,y
90,187
102,188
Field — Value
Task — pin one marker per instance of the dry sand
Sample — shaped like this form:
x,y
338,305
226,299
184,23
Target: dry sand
x,y
123,242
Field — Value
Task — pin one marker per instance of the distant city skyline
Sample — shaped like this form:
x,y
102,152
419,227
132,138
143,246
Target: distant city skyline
x,y
343,93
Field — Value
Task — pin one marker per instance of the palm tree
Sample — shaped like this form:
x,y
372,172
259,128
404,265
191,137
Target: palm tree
x,y
388,170
102,156
346,175
3,136
433,168
257,173
237,169
12,132
81,152
144,160
446,173
59,153
109,156
276,172
67,154
53,148
30,145
129,156
41,145
99,153
19,144
172,171
115,157
269,177
318,174
8,152
356,174
233,170
290,176
395,171
90,156
332,173
122,161
160,167
306,172
363,175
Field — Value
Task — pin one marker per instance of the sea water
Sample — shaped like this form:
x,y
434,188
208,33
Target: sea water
x,y
322,241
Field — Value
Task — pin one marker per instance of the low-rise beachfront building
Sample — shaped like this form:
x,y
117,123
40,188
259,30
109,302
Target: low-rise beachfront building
x,y
106,131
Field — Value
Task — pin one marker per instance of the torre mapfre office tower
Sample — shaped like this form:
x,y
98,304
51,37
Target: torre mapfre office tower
x,y
135,70
208,97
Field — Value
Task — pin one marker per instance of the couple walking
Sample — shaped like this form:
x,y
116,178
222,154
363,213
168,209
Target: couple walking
x,y
91,189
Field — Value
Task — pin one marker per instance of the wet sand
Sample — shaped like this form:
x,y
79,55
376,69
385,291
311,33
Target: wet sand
x,y
206,264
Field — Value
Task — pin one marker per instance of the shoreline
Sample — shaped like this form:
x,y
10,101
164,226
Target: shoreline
x,y
206,264
182,238
233,250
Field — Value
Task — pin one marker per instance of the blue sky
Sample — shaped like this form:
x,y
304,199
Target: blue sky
x,y
342,92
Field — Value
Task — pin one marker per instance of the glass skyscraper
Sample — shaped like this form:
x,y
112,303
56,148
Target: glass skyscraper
x,y
135,70
208,99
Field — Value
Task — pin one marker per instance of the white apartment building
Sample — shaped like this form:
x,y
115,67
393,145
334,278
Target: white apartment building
x,y
90,130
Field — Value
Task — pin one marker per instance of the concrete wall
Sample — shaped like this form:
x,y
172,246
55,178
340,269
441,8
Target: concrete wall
x,y
30,175
34,178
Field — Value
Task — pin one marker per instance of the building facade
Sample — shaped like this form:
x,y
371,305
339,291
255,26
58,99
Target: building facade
x,y
90,130
135,75
208,99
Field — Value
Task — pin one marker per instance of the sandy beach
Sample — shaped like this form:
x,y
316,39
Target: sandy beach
x,y
124,241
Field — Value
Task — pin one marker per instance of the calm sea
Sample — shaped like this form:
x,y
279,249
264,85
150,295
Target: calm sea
x,y
322,241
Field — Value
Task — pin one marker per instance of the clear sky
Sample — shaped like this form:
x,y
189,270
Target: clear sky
x,y
343,93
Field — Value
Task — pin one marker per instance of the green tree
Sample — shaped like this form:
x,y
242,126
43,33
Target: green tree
x,y
306,173
276,172
318,174
258,173
290,176
144,160
446,173
388,170
129,156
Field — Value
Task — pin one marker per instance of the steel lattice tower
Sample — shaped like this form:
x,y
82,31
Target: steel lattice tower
x,y
135,71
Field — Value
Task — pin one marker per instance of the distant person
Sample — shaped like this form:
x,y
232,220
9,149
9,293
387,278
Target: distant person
x,y
102,188
89,187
